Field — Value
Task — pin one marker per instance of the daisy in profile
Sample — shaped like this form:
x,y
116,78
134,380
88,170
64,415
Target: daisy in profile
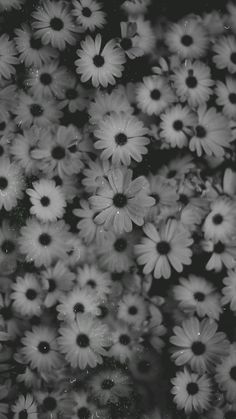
x,y
11,184
109,386
187,38
25,406
195,294
121,201
192,81
129,39
89,14
76,303
212,133
95,280
177,126
154,94
7,57
220,223
122,138
44,243
225,53
192,392
31,50
132,309
54,25
83,342
229,294
226,97
199,344
164,248
47,80
99,64
27,295
56,280
21,148
221,254
226,374
48,202
40,348
105,104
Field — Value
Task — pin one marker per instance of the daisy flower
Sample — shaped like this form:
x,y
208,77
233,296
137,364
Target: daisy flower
x,y
83,342
56,280
101,65
40,348
31,50
187,38
109,386
220,223
225,53
123,342
52,402
95,280
44,243
222,254
121,137
164,248
132,309
212,133
129,39
145,365
83,407
226,374
121,201
177,126
7,57
32,110
89,14
154,94
105,104
74,95
192,392
8,247
48,202
27,295
11,184
94,174
177,168
164,192
195,294
76,303
192,81
21,148
25,406
229,294
88,229
199,344
54,25
226,97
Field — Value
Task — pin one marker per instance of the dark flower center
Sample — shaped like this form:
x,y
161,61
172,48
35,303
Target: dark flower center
x,y
2,125
82,340
36,110
126,43
191,82
144,366
163,247
155,94
98,60
233,373
3,183
200,131
124,339
119,200
192,388
6,313
107,384
71,94
217,219
52,285
103,312
198,348
45,201
35,43
120,245
219,248
187,40
56,24
133,310
58,180
178,125
46,79
45,239
91,283
58,152
183,199
121,139
171,174
233,57
86,12
78,308
49,403
7,246
232,98
23,414
44,347
199,296
83,413
31,294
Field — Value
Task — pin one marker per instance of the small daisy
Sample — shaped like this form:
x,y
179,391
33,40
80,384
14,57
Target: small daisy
x,y
129,39
89,14
226,97
48,202
199,344
46,80
74,95
40,348
11,184
123,342
52,402
54,25
25,406
193,82
44,243
84,341
163,248
121,137
21,148
27,295
121,201
145,365
95,280
109,386
225,53
222,254
226,374
164,192
220,223
229,290
154,94
56,280
132,309
187,38
177,126
195,294
101,65
76,303
212,133
177,168
192,392
7,57
84,407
